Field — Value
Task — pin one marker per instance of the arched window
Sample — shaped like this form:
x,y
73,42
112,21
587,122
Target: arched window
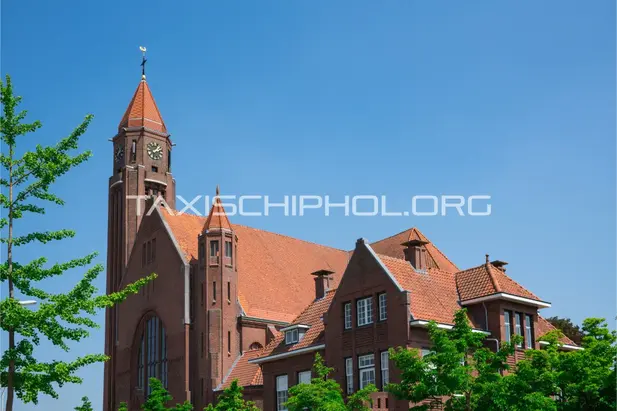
x,y
152,355
255,346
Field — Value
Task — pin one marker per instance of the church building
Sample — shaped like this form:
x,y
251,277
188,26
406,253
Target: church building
x,y
235,302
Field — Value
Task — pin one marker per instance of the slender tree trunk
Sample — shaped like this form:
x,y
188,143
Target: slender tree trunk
x,y
10,394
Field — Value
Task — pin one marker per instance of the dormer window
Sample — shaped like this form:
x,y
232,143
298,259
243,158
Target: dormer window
x,y
291,336
294,333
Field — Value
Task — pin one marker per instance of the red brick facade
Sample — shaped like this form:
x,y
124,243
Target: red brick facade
x,y
226,295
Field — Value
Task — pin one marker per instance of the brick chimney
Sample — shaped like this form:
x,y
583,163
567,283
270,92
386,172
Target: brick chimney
x,y
322,282
415,253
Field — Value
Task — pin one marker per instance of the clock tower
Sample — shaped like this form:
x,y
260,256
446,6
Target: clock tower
x,y
141,169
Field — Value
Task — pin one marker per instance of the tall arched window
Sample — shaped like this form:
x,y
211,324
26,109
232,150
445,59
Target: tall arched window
x,y
152,354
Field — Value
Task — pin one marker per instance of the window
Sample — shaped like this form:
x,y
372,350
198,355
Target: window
x,y
152,355
304,377
153,252
508,329
228,291
201,253
382,307
143,255
349,374
517,327
347,313
365,311
155,169
255,346
214,252
366,366
169,160
134,151
228,249
228,342
213,291
528,331
281,392
291,336
385,374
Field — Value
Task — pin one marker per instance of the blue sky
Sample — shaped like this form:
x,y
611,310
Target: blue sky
x,y
397,98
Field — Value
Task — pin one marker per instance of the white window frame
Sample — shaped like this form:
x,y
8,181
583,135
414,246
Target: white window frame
x,y
347,315
304,377
528,331
349,374
364,311
385,369
292,336
517,327
507,325
366,368
383,307
281,392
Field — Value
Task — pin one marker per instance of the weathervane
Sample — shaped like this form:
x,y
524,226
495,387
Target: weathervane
x,y
143,62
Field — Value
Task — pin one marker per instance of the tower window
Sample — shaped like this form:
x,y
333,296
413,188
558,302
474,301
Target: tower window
x,y
169,160
155,169
228,342
214,252
228,291
134,151
213,291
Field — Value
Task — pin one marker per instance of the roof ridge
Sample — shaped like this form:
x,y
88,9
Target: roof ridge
x,y
489,268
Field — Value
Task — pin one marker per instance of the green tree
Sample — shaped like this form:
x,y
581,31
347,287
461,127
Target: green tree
x,y
569,329
231,399
457,373
86,405
586,378
60,318
159,396
325,394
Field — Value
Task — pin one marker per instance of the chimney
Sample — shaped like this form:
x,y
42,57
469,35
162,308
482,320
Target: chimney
x,y
501,265
415,253
322,282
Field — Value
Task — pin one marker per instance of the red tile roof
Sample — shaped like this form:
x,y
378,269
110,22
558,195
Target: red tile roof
x,y
217,218
485,280
544,326
266,261
246,373
312,316
142,111
392,247
433,293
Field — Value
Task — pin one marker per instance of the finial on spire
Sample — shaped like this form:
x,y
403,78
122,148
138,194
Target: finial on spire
x,y
143,62
217,190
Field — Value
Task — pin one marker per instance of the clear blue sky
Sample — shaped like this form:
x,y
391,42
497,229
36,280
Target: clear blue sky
x,y
399,98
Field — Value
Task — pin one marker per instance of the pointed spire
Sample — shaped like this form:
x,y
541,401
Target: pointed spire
x,y
217,218
142,110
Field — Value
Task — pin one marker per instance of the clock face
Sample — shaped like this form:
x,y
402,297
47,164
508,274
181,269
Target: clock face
x,y
155,151
119,153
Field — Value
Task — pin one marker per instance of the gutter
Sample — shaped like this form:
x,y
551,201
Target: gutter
x,y
508,297
566,347
287,354
424,324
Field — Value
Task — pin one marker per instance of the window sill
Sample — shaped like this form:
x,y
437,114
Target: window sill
x,y
364,326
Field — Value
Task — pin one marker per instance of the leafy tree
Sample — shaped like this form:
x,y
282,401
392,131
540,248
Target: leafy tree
x,y
456,375
325,394
569,329
586,378
123,407
60,318
159,396
231,399
86,405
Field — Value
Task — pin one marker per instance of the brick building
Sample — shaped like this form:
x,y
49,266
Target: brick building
x,y
234,302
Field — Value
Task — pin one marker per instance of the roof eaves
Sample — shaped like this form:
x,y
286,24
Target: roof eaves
x,y
510,297
288,354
